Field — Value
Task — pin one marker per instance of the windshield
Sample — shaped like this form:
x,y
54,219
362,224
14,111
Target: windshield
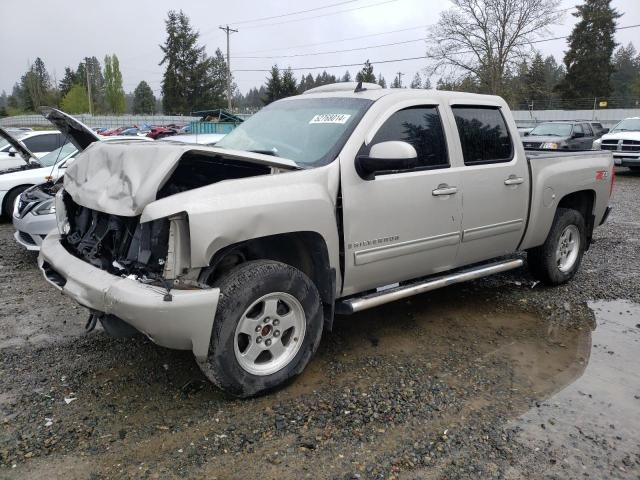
x,y
628,125
552,130
56,155
309,131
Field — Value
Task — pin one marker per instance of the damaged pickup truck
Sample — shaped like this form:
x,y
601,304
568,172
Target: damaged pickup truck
x,y
334,201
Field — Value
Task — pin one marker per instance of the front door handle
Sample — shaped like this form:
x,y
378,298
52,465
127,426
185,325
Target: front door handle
x,y
513,180
444,189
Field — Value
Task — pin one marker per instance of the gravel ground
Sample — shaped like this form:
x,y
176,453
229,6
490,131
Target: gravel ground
x,y
491,379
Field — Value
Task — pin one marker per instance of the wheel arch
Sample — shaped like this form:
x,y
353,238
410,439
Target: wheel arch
x,y
21,187
584,202
305,250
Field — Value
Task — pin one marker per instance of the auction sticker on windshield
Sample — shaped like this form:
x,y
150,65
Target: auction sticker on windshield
x,y
330,118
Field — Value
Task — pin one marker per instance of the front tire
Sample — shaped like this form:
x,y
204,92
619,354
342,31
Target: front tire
x,y
11,199
557,260
267,327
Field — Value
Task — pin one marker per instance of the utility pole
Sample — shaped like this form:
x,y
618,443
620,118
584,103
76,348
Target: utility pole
x,y
228,31
400,79
88,84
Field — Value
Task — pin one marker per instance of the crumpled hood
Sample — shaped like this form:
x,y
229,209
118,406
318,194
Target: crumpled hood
x,y
122,178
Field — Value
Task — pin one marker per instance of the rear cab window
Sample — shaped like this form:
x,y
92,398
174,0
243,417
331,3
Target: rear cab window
x,y
420,126
484,135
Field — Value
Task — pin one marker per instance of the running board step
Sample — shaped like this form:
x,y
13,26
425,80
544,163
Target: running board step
x,y
357,304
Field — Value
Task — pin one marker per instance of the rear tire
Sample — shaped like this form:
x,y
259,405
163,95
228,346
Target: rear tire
x,y
557,260
267,327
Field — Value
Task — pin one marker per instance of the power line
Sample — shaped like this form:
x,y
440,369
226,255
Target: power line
x,y
321,15
293,13
396,60
337,51
338,41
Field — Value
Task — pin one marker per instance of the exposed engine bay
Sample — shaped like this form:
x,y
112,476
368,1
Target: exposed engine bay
x,y
119,245
195,170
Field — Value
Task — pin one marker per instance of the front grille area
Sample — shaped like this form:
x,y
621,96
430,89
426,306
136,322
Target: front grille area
x,y
120,245
631,146
621,145
26,238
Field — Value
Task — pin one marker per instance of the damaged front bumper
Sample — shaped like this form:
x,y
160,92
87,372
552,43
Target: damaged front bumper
x,y
184,323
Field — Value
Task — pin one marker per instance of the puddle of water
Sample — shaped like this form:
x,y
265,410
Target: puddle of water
x,y
594,422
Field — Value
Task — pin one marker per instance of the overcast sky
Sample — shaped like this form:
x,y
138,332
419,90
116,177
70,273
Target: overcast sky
x,y
62,32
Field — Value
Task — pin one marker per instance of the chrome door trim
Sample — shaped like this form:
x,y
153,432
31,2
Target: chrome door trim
x,y
485,231
375,254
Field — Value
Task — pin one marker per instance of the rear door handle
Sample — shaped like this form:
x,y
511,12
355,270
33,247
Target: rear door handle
x,y
444,189
513,180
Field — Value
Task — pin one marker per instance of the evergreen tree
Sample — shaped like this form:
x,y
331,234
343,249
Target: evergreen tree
x,y
417,81
382,82
427,84
366,74
591,44
274,86
310,83
535,79
113,91
217,82
626,62
68,80
346,77
192,80
35,86
143,99
91,66
302,86
396,82
289,86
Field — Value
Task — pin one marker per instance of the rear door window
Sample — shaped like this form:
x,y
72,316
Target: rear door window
x,y
484,135
577,128
587,130
44,143
421,127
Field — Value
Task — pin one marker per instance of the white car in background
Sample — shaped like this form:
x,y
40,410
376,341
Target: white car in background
x,y
51,166
38,143
623,141
34,212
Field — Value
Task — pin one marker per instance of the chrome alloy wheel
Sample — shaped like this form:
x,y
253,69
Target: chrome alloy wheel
x,y
269,333
568,248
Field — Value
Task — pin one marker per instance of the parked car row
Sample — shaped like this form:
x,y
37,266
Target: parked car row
x,y
27,191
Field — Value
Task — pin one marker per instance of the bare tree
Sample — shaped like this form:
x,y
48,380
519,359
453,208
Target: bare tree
x,y
485,38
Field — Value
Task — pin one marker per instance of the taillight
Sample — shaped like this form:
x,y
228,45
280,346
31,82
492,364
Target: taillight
x,y
613,177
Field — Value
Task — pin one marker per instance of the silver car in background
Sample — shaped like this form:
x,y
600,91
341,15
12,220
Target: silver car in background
x,y
34,213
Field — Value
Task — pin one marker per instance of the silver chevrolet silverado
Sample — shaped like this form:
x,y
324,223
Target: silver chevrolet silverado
x,y
338,200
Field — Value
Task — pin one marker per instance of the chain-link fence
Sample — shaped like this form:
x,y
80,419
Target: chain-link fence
x,y
101,121
586,103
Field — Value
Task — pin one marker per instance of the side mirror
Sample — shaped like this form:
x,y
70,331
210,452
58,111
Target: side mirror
x,y
12,152
605,130
388,157
526,134
577,135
